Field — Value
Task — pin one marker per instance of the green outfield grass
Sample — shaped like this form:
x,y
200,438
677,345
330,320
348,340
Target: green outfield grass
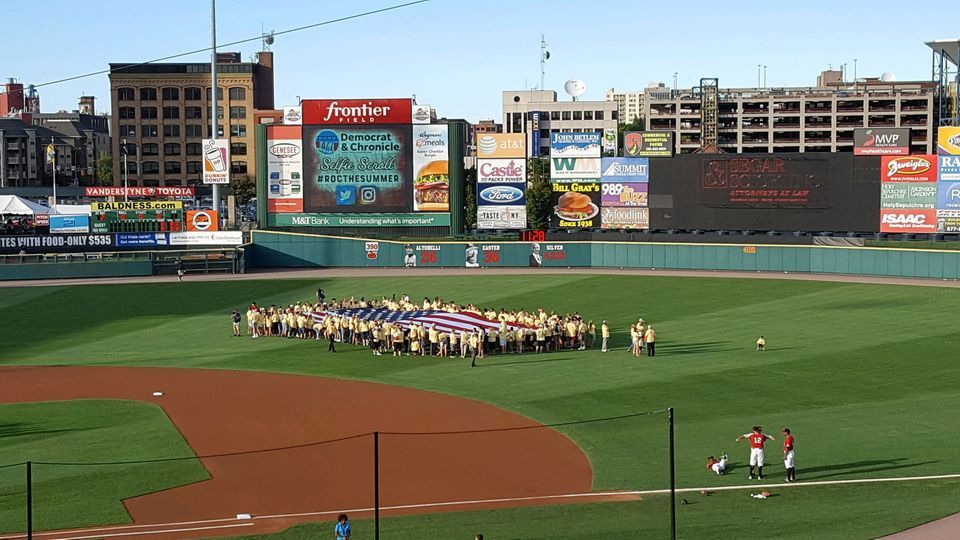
x,y
864,374
86,431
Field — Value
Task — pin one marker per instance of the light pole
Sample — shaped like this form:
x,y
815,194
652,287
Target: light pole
x,y
854,72
758,76
125,151
764,76
213,91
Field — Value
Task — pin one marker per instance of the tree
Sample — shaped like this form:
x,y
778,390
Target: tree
x,y
539,193
244,188
470,198
105,170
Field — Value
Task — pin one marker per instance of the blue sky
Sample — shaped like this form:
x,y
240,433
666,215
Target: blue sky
x,y
458,55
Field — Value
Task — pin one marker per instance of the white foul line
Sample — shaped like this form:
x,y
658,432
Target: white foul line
x,y
595,494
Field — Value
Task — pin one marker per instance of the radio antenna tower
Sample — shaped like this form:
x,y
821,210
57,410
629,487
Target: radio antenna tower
x,y
544,56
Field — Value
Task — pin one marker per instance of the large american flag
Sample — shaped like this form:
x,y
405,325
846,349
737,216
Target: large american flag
x,y
441,320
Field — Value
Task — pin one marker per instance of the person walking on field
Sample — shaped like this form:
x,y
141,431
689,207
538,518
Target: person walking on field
x,y
235,318
180,271
651,338
788,462
604,335
757,439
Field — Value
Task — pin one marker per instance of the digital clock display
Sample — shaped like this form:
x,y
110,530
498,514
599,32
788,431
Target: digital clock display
x,y
533,236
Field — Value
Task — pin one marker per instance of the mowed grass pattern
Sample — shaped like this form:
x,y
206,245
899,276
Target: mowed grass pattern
x,y
865,375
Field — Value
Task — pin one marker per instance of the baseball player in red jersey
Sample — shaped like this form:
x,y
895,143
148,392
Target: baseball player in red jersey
x,y
788,455
757,439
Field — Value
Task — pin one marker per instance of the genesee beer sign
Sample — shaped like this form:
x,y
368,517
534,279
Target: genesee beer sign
x,y
760,182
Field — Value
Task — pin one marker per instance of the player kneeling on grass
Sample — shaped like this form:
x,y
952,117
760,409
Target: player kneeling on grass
x,y
718,466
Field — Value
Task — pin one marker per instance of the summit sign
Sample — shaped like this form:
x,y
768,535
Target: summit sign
x,y
357,111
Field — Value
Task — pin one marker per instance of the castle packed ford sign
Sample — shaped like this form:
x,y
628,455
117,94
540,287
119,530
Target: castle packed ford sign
x,y
349,112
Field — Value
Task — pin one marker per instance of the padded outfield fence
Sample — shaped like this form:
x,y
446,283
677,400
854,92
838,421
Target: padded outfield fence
x,y
40,496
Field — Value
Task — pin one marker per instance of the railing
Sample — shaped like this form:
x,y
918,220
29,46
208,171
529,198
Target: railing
x,y
230,260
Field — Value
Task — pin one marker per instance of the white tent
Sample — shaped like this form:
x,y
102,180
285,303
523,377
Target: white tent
x,y
18,206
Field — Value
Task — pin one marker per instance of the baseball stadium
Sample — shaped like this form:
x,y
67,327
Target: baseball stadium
x,y
402,324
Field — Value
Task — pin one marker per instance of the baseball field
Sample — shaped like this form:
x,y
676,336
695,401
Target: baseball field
x,y
567,444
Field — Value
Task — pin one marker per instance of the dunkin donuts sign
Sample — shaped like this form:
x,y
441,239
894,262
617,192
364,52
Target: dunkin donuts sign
x,y
357,111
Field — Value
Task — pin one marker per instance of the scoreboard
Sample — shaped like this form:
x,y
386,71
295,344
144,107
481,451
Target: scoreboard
x,y
141,216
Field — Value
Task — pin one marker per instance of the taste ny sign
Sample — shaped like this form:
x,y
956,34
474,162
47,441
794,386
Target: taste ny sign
x,y
357,111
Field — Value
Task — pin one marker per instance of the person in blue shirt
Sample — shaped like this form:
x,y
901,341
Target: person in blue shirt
x,y
342,529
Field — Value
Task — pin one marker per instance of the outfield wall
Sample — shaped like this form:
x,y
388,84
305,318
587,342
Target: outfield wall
x,y
280,249
76,269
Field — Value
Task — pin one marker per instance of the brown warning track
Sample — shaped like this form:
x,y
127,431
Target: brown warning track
x,y
222,412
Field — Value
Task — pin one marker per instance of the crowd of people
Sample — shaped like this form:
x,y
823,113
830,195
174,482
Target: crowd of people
x,y
511,331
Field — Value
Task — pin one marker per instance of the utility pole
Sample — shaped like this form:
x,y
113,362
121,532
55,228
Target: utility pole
x,y
125,150
213,92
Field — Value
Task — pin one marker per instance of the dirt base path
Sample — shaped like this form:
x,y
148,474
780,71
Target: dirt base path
x,y
232,411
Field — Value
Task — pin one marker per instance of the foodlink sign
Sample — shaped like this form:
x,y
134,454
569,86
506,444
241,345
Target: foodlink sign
x,y
881,142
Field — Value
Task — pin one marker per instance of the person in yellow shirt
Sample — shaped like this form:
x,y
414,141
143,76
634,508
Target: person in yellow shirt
x,y
396,334
591,334
571,328
641,332
651,338
541,338
761,344
519,336
434,337
254,319
443,340
454,344
581,335
604,335
414,347
635,338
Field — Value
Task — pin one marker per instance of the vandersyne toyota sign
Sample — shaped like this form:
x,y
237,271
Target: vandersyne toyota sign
x,y
357,111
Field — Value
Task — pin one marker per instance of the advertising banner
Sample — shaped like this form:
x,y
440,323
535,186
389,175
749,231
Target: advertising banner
x,y
618,169
763,182
136,205
648,144
500,195
908,169
120,191
535,133
575,205
292,116
61,224
624,218
623,193
284,169
948,197
501,217
577,145
431,185
610,141
357,169
141,239
501,171
948,141
202,220
216,161
218,238
346,112
895,195
948,222
421,114
359,220
881,142
572,168
56,243
501,145
949,168
918,221
41,220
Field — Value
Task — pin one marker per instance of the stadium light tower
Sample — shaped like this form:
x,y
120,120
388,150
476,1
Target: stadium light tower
x,y
946,52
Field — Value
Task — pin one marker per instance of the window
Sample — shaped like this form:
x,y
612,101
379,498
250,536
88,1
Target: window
x,y
237,112
194,113
238,167
127,113
599,115
238,93
554,115
151,167
148,94
238,130
128,131
516,125
171,149
171,167
194,130
148,113
194,149
125,94
171,131
148,130
171,113
193,167
566,115
171,94
588,115
131,167
191,94
613,115
149,149
219,93
219,112
577,115
238,149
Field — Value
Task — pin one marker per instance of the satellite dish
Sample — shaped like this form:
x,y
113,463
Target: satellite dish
x,y
888,77
575,88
